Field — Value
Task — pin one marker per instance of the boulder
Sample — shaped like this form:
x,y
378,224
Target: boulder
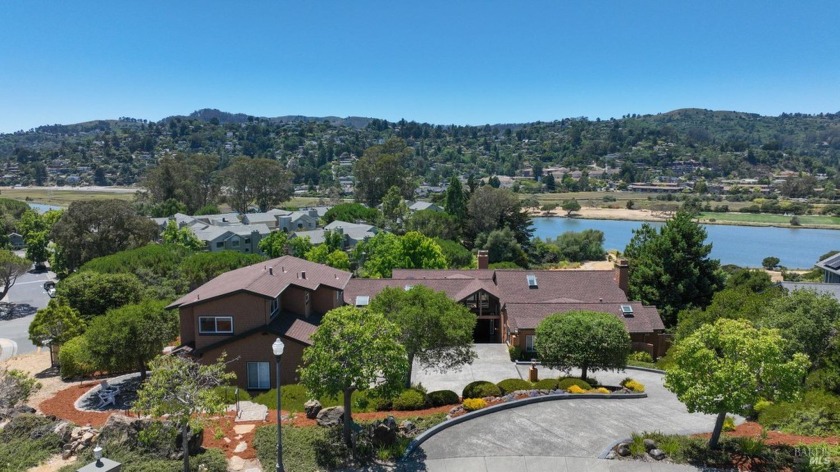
x,y
311,408
408,428
332,416
657,454
650,444
384,432
623,449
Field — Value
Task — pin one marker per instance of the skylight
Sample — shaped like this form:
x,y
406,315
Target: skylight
x,y
532,280
362,300
627,310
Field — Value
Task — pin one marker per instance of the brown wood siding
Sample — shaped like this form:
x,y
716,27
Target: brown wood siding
x,y
324,300
257,348
248,311
293,300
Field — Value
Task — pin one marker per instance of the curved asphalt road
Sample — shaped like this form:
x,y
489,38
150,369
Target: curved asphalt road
x,y
550,434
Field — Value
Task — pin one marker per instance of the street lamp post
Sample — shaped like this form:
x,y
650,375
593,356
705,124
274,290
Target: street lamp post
x,y
277,348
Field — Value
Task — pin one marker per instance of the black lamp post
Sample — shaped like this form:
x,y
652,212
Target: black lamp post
x,y
277,348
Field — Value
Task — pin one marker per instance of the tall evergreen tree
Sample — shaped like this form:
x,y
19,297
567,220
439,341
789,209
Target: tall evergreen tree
x,y
671,268
455,202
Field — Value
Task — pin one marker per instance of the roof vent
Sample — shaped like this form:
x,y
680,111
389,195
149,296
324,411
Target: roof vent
x,y
532,280
271,271
303,274
627,311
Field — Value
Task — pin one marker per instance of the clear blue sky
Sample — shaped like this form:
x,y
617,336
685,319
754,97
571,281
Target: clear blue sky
x,y
435,61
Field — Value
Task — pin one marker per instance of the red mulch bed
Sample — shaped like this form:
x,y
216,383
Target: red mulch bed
x,y
753,430
61,406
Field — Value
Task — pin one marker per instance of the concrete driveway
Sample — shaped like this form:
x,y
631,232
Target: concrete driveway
x,y
575,428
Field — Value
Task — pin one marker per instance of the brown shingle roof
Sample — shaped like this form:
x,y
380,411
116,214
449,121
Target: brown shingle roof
x,y
645,319
578,286
456,289
268,279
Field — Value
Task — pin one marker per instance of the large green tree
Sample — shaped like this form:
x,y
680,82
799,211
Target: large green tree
x,y
262,181
56,324
190,180
127,338
185,391
382,167
94,293
492,208
11,267
182,237
387,251
353,349
275,244
588,340
352,213
728,366
96,228
436,331
434,224
455,200
671,268
807,320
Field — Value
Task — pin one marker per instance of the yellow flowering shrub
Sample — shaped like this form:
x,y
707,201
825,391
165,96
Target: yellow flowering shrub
x,y
472,404
635,386
600,390
576,389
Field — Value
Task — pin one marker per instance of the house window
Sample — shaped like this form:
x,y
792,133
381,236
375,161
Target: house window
x,y
215,325
258,376
529,343
220,244
247,240
234,243
275,306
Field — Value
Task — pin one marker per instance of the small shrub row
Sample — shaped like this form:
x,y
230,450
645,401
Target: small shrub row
x,y
443,397
511,385
481,389
640,356
566,383
410,399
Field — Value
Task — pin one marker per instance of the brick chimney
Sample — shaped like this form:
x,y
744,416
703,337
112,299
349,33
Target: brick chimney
x,y
622,274
483,259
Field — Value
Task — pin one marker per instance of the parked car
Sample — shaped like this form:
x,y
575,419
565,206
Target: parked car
x,y
49,287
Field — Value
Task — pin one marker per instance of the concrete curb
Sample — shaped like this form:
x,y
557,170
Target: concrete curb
x,y
629,367
508,405
603,454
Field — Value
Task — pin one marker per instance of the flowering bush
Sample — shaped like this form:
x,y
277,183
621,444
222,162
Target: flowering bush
x,y
472,404
576,389
600,390
633,385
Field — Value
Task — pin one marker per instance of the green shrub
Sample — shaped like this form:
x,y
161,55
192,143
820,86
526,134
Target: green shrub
x,y
75,359
512,385
547,384
515,353
443,397
824,379
567,382
640,356
481,389
229,394
816,414
410,399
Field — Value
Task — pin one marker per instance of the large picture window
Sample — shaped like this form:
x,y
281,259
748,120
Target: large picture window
x,y
258,376
215,325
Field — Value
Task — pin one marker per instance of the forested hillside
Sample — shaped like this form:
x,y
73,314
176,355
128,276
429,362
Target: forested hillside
x,y
318,151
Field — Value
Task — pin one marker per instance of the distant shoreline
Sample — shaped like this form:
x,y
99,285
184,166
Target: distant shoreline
x,y
596,213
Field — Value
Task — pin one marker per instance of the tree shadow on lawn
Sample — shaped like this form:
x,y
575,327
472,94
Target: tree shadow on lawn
x,y
124,400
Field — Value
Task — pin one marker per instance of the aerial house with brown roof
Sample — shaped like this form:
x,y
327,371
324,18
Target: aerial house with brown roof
x,y
243,311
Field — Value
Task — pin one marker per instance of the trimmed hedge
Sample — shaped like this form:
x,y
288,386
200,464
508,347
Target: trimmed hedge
x,y
564,384
410,399
443,397
547,384
481,389
512,385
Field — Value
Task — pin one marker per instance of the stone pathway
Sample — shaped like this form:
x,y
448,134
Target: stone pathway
x,y
249,411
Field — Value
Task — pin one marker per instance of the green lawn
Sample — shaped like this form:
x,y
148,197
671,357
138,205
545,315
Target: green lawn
x,y
765,218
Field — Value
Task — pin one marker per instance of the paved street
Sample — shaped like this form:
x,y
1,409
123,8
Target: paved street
x,y
28,296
